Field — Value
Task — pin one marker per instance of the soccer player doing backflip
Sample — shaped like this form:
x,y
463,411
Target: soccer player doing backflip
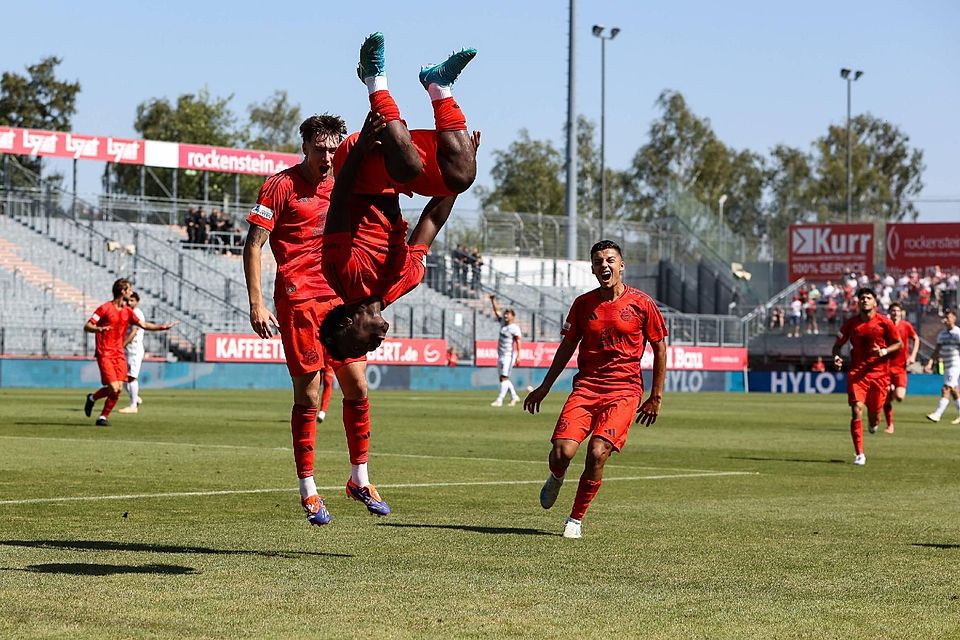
x,y
367,258
948,349
872,338
612,326
899,360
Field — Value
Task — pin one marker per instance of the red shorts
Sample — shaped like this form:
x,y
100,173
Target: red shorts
x,y
355,275
871,392
373,178
898,378
587,413
112,369
300,322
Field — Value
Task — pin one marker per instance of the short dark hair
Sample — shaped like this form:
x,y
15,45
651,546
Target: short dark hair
x,y
895,304
605,244
325,125
119,285
332,327
862,291
135,296
950,312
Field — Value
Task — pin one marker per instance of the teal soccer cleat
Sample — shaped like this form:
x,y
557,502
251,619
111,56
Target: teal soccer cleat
x,y
372,61
447,72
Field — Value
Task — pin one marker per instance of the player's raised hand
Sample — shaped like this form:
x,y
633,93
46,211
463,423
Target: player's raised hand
x,y
532,402
262,321
371,129
648,411
475,139
838,362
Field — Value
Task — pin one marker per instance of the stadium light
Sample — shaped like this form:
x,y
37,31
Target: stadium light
x,y
845,74
723,198
598,31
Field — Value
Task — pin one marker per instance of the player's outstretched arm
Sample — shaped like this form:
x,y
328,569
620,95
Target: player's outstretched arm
x,y
432,219
560,359
496,307
913,352
152,326
933,358
338,216
261,319
89,327
650,409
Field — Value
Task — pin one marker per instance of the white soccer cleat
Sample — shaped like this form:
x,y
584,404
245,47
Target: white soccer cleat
x,y
321,416
496,403
514,401
139,401
550,491
933,417
130,409
955,420
860,459
572,529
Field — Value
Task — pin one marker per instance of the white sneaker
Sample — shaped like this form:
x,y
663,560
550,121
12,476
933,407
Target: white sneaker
x,y
933,417
321,416
130,409
572,529
955,420
550,491
860,459
514,401
496,403
139,400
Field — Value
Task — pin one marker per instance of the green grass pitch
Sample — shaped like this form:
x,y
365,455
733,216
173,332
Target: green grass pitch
x,y
736,516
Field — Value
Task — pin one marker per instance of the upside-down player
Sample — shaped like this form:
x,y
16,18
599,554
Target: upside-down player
x,y
366,256
899,360
872,337
290,211
110,322
612,324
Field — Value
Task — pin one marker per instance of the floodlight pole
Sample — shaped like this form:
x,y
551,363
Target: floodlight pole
x,y
598,31
571,190
845,74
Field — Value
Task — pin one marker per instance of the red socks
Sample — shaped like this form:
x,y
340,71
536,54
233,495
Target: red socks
x,y
586,491
110,403
327,391
102,392
303,426
856,432
448,116
356,424
888,413
382,102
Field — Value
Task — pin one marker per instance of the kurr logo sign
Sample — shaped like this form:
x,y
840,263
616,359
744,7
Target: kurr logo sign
x,y
825,241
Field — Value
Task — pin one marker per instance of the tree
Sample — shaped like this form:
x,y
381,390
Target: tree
x,y
38,100
274,125
526,178
195,118
886,172
790,183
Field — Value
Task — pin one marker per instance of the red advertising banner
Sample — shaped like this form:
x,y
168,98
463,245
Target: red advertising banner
x,y
540,354
226,160
56,144
245,347
917,245
828,251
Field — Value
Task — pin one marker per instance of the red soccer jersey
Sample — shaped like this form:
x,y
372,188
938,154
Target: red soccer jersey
x,y
613,335
864,337
110,342
295,212
898,359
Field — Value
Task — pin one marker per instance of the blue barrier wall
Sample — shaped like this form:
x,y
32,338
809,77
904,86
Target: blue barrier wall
x,y
209,375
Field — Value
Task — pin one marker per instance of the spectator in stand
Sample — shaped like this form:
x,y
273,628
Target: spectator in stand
x,y
831,312
456,259
829,290
811,310
201,232
475,270
452,357
794,317
819,366
191,223
776,318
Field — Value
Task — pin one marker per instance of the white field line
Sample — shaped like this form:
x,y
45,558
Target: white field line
x,y
331,452
422,485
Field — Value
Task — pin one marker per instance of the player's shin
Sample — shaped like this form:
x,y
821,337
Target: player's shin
x,y
303,428
856,433
586,492
356,426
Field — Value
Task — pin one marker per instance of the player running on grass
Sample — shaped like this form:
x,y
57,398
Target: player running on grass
x,y
872,337
367,258
508,351
948,348
899,360
110,323
291,210
612,325
134,352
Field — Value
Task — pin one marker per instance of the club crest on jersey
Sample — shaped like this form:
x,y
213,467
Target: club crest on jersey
x,y
566,326
262,211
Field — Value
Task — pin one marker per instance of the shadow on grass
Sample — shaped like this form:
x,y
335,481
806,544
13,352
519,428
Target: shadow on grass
x,y
519,531
936,545
90,569
142,547
831,461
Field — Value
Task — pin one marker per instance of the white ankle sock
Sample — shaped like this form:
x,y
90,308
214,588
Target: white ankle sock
x,y
375,83
133,388
358,473
512,390
503,390
437,92
307,487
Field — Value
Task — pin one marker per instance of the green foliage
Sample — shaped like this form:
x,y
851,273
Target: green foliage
x,y
274,124
184,522
526,178
37,100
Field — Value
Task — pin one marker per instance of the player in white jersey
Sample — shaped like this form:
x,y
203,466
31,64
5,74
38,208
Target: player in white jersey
x,y
948,350
133,348
508,351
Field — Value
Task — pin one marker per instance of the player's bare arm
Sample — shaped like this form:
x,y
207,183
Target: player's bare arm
x,y
650,409
89,327
152,326
130,336
890,348
260,317
516,350
933,358
560,359
913,352
432,219
496,307
837,346
338,216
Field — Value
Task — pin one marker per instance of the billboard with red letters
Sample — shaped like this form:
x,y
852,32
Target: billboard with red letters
x,y
829,251
917,245
679,358
246,347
